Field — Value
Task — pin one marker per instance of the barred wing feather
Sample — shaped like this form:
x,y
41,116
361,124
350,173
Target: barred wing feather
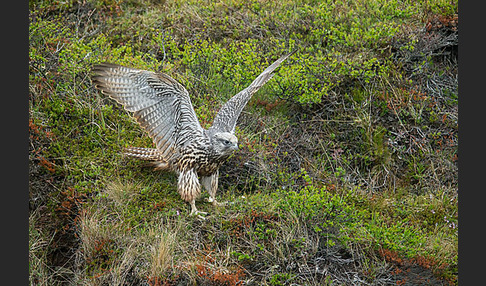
x,y
225,120
159,103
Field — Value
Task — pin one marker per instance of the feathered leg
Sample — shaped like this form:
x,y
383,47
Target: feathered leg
x,y
189,188
210,183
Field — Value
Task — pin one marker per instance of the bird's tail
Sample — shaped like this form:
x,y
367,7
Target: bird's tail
x,y
147,154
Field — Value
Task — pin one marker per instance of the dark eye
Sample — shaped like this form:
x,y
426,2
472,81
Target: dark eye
x,y
227,142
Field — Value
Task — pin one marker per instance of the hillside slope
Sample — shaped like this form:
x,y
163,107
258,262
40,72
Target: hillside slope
x,y
347,168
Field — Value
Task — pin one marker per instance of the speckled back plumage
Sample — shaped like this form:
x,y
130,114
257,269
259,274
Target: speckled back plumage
x,y
163,108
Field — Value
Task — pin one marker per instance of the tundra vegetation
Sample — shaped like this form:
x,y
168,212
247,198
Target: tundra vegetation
x,y
347,168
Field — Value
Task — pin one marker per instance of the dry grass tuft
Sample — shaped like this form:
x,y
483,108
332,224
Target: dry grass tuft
x,y
163,253
121,192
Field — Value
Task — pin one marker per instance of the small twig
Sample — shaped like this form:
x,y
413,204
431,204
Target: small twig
x,y
163,50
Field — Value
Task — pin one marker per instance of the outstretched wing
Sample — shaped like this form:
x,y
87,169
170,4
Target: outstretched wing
x,y
159,103
225,120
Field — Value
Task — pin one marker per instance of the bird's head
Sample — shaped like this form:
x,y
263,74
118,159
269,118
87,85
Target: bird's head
x,y
225,143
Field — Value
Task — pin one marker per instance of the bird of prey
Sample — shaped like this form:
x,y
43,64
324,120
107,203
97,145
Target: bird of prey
x,y
163,108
